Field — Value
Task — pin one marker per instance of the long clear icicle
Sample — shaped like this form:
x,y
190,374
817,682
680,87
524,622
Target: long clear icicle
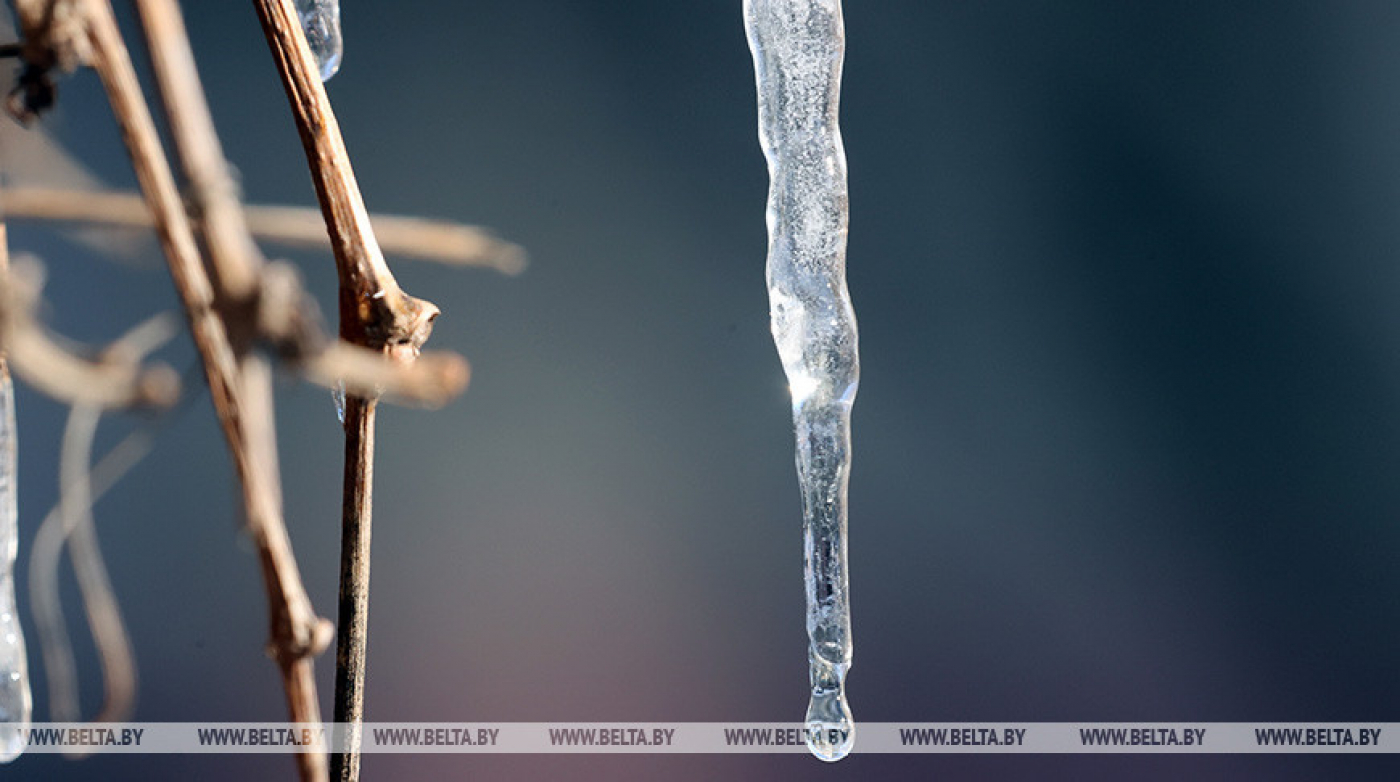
x,y
15,702
798,47
320,20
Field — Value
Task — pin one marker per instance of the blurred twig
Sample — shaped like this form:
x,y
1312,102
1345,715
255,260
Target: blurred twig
x,y
412,237
235,300
297,633
116,380
71,522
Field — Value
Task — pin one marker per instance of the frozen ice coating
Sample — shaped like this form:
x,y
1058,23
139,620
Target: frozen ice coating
x,y
320,20
798,47
15,703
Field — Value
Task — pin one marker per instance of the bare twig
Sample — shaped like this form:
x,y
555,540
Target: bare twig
x,y
296,632
444,241
213,196
352,633
413,237
433,379
43,575
114,381
71,522
374,313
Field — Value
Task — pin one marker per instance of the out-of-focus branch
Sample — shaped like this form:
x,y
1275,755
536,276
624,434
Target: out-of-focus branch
x,y
444,241
296,632
412,237
432,380
114,380
55,38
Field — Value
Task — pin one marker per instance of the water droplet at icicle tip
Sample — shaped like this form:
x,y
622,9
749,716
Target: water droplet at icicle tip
x,y
831,730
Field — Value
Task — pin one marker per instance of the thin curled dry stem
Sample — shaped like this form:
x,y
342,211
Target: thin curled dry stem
x,y
71,522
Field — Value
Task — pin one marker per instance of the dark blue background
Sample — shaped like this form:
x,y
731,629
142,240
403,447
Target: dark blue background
x,y
1126,444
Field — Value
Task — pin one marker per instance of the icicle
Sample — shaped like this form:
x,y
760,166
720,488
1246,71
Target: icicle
x,y
320,19
798,46
15,703
338,396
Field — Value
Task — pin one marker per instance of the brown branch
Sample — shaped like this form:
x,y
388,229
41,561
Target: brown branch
x,y
415,237
114,380
444,241
433,379
213,196
296,632
352,630
374,313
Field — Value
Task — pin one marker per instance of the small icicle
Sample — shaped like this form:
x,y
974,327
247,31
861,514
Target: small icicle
x,y
15,701
338,396
798,47
320,20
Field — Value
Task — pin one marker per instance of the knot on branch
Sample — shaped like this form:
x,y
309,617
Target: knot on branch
x,y
286,317
386,319
299,640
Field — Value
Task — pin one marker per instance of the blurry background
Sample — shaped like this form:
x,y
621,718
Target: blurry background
x,y
1126,445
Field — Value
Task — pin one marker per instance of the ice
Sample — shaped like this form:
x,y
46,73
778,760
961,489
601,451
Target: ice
x,y
320,19
15,702
798,47
338,396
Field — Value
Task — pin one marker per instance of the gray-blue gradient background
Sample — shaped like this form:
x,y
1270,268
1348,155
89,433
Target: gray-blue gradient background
x,y
1126,446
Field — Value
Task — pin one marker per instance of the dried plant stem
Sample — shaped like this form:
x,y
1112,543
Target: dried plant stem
x,y
114,381
374,313
445,241
352,638
374,310
296,632
213,197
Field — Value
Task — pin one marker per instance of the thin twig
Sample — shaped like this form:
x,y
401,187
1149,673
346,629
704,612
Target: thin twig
x,y
352,633
433,379
444,241
374,313
296,632
114,381
57,653
70,522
